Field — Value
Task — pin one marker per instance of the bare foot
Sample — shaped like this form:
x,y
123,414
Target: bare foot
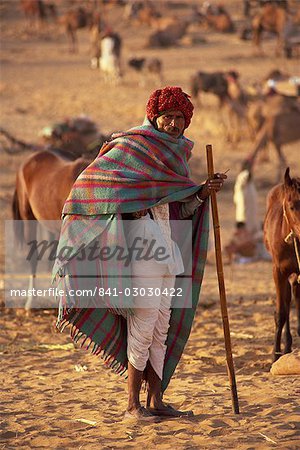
x,y
169,411
139,413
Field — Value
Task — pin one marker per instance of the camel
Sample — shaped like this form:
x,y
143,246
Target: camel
x,y
217,18
142,12
73,138
75,19
170,30
149,68
272,18
170,35
232,99
280,126
37,11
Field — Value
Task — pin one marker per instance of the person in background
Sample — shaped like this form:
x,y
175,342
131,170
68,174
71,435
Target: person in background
x,y
246,243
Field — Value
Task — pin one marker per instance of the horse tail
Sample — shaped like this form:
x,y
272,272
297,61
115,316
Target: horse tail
x,y
18,221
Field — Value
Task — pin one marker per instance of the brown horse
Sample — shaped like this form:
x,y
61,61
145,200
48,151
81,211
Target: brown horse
x,y
282,239
43,183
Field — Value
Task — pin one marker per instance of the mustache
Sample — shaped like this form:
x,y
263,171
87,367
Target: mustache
x,y
171,128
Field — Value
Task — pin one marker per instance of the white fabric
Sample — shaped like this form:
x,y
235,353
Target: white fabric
x,y
149,232
246,201
108,61
148,326
161,216
149,323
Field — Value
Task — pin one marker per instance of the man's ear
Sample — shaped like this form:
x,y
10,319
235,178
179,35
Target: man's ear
x,y
153,122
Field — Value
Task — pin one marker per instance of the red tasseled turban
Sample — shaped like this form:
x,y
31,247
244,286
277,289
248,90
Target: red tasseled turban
x,y
170,97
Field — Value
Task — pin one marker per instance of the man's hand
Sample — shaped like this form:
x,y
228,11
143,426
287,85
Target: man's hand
x,y
212,184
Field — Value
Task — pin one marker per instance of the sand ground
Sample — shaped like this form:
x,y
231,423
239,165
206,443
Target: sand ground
x,y
56,396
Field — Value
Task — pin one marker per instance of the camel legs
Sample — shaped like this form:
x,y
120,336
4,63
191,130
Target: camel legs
x,y
257,31
282,164
73,41
279,45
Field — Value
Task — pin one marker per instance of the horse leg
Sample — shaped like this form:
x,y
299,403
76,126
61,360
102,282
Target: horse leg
x,y
297,300
25,226
30,234
31,288
282,291
295,289
288,336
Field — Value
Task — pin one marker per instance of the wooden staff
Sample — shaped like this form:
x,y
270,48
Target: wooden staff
x,y
222,292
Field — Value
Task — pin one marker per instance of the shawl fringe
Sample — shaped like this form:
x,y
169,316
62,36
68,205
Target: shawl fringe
x,y
80,338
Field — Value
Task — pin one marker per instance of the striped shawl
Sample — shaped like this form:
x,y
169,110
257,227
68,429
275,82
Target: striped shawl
x,y
138,169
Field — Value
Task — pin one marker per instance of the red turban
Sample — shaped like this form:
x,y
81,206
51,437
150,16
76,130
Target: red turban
x,y
170,97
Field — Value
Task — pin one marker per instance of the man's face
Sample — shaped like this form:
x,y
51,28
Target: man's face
x,y
171,122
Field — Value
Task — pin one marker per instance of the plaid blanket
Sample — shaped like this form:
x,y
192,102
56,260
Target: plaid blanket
x,y
139,169
136,170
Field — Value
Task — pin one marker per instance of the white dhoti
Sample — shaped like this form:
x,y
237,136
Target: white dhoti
x,y
246,201
149,324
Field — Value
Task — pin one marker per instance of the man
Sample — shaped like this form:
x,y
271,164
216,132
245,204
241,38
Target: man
x,y
246,243
245,198
141,175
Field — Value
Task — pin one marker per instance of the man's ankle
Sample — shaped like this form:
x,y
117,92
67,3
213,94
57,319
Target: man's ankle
x,y
155,401
133,407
